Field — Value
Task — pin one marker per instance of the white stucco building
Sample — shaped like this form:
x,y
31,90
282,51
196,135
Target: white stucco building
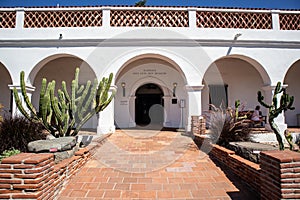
x,y
168,62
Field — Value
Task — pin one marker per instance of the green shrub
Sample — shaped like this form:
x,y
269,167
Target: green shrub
x,y
8,153
17,132
225,127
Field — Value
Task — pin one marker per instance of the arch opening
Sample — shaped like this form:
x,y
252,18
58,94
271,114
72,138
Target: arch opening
x,y
291,79
234,78
62,68
149,81
149,105
6,94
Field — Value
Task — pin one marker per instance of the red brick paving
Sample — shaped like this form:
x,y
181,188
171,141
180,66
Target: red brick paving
x,y
155,165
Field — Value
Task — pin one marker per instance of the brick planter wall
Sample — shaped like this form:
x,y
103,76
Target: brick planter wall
x,y
277,176
245,169
280,171
35,176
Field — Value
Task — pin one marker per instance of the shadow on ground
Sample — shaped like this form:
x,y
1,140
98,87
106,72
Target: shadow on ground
x,y
245,191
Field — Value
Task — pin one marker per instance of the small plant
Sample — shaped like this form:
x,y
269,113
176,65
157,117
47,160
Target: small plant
x,y
65,114
8,153
17,132
276,108
225,128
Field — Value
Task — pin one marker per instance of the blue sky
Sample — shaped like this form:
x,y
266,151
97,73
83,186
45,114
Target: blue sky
x,y
271,4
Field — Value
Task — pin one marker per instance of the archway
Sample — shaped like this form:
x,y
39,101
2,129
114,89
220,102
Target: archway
x,y
149,105
6,95
61,68
132,81
291,79
235,78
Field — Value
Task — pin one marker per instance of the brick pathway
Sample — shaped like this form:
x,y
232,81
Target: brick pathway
x,y
135,164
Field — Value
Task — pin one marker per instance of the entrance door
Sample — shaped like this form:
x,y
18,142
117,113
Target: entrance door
x,y
149,105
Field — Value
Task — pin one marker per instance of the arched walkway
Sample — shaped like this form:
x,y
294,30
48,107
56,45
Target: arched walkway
x,y
5,92
293,82
231,78
61,68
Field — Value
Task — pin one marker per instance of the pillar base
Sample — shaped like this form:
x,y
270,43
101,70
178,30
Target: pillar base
x,y
105,129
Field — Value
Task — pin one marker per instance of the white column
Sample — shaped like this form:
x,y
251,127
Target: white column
x,y
194,104
192,17
167,102
132,111
20,15
275,20
106,17
106,117
29,91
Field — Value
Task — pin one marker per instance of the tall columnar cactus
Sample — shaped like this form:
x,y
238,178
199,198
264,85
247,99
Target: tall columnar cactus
x,y
276,108
64,114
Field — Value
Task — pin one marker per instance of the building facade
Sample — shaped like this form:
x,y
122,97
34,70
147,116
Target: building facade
x,y
169,63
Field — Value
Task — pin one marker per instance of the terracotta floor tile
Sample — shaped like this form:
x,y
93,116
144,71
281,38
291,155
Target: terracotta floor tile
x,y
147,194
78,193
95,193
112,194
106,186
90,186
182,194
164,195
138,187
155,165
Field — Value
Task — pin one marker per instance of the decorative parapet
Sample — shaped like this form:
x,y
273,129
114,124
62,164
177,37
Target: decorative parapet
x,y
7,19
149,18
58,18
289,21
117,16
242,20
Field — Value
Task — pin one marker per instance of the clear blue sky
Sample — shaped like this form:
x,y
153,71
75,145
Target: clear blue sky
x,y
271,4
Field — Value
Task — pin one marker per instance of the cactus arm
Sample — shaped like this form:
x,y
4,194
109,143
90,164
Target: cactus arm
x,y
107,102
80,90
81,110
42,96
76,79
83,121
64,89
25,96
260,99
88,103
19,104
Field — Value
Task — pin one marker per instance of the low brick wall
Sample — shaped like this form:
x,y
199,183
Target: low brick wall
x,y
280,172
246,170
35,176
276,177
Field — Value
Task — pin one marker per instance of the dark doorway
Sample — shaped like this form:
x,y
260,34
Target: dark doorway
x,y
149,105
